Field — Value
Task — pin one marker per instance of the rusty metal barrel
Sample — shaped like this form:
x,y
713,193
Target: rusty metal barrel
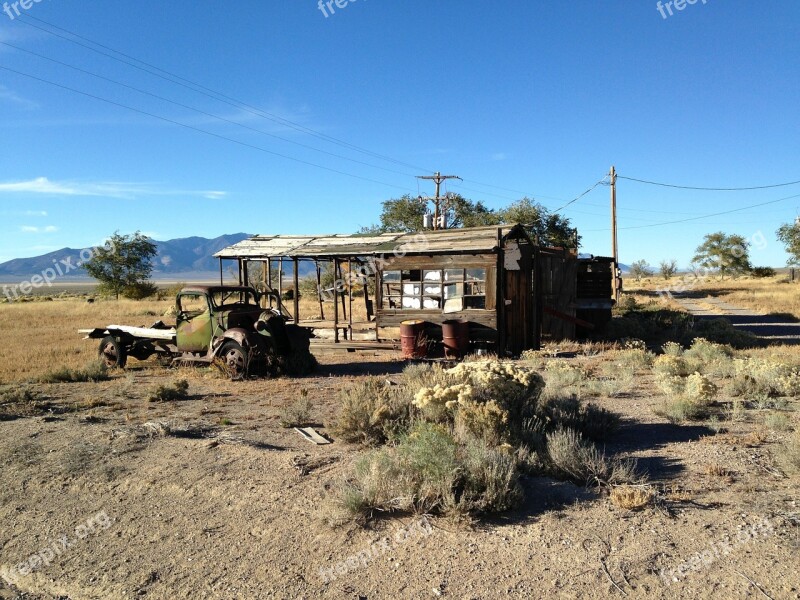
x,y
455,335
412,339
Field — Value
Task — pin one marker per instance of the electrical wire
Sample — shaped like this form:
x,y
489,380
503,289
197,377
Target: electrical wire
x,y
726,212
198,129
232,101
200,111
574,200
710,189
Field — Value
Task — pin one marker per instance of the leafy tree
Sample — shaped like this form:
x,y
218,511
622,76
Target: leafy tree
x,y
668,268
548,227
641,269
789,234
123,264
405,215
763,272
727,254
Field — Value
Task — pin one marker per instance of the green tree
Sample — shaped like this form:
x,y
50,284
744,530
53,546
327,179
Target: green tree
x,y
550,228
668,268
789,234
405,215
123,264
641,269
727,254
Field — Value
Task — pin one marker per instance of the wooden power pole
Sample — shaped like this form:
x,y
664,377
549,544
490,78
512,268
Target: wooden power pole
x,y
438,179
614,248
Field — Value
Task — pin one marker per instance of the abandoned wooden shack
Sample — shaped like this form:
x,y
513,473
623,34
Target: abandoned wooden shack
x,y
495,281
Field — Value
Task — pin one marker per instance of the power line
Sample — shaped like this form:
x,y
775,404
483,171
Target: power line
x,y
200,111
201,89
726,212
198,129
574,200
711,189
232,101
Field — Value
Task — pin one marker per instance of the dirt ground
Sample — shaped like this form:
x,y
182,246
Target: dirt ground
x,y
95,504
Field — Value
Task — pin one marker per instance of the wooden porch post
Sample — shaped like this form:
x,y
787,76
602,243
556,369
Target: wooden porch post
x,y
335,304
319,291
296,292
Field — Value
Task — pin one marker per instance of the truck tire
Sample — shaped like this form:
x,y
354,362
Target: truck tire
x,y
234,360
112,352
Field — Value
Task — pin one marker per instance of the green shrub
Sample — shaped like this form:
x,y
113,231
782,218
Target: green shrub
x,y
671,365
168,393
371,413
762,272
94,371
574,458
429,472
590,421
679,410
756,378
298,413
791,454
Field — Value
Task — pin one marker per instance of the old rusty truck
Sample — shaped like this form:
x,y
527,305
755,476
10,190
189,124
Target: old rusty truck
x,y
222,325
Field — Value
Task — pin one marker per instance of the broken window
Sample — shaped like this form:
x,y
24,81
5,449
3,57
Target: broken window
x,y
415,289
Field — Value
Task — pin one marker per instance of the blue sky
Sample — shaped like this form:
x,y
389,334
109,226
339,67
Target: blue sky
x,y
532,98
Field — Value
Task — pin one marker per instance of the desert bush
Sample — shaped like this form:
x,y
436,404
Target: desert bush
x,y
720,331
494,397
636,358
672,349
429,472
561,375
630,497
755,378
298,413
700,389
168,393
574,458
95,370
777,422
791,454
709,357
490,480
371,413
592,422
671,365
679,409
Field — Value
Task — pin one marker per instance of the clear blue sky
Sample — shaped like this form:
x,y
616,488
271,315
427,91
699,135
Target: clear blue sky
x,y
537,97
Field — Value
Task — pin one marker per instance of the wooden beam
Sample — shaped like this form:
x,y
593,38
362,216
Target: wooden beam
x,y
335,304
296,294
319,291
350,295
269,279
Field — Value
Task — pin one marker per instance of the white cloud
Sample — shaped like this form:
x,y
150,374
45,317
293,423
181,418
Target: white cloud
x,y
43,186
23,213
499,156
33,229
11,97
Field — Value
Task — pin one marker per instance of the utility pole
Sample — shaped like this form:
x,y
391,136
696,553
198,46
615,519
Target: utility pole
x,y
614,248
438,179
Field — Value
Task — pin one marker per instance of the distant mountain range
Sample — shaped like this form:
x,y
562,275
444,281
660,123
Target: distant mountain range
x,y
180,256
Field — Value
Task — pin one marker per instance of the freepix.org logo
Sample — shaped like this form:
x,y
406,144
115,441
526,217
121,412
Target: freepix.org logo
x,y
13,9
665,8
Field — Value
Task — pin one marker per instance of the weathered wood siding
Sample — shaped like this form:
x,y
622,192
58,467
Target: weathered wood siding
x,y
558,280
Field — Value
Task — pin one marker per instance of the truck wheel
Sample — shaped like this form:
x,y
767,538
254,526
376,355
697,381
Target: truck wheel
x,y
112,352
234,360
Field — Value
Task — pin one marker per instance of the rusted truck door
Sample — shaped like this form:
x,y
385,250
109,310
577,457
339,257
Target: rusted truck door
x,y
194,325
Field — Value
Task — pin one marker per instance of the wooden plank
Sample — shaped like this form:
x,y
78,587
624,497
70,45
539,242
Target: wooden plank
x,y
296,294
310,434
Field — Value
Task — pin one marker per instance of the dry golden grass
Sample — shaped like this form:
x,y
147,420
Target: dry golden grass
x,y
769,295
41,336
631,497
718,471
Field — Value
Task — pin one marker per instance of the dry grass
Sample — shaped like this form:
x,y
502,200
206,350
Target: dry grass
x,y
719,471
39,337
630,497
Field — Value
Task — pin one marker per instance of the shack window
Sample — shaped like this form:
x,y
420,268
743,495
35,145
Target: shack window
x,y
415,289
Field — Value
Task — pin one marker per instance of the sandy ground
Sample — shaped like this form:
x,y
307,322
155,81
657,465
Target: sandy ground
x,y
94,505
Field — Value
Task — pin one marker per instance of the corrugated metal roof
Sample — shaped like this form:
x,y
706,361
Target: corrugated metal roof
x,y
474,239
